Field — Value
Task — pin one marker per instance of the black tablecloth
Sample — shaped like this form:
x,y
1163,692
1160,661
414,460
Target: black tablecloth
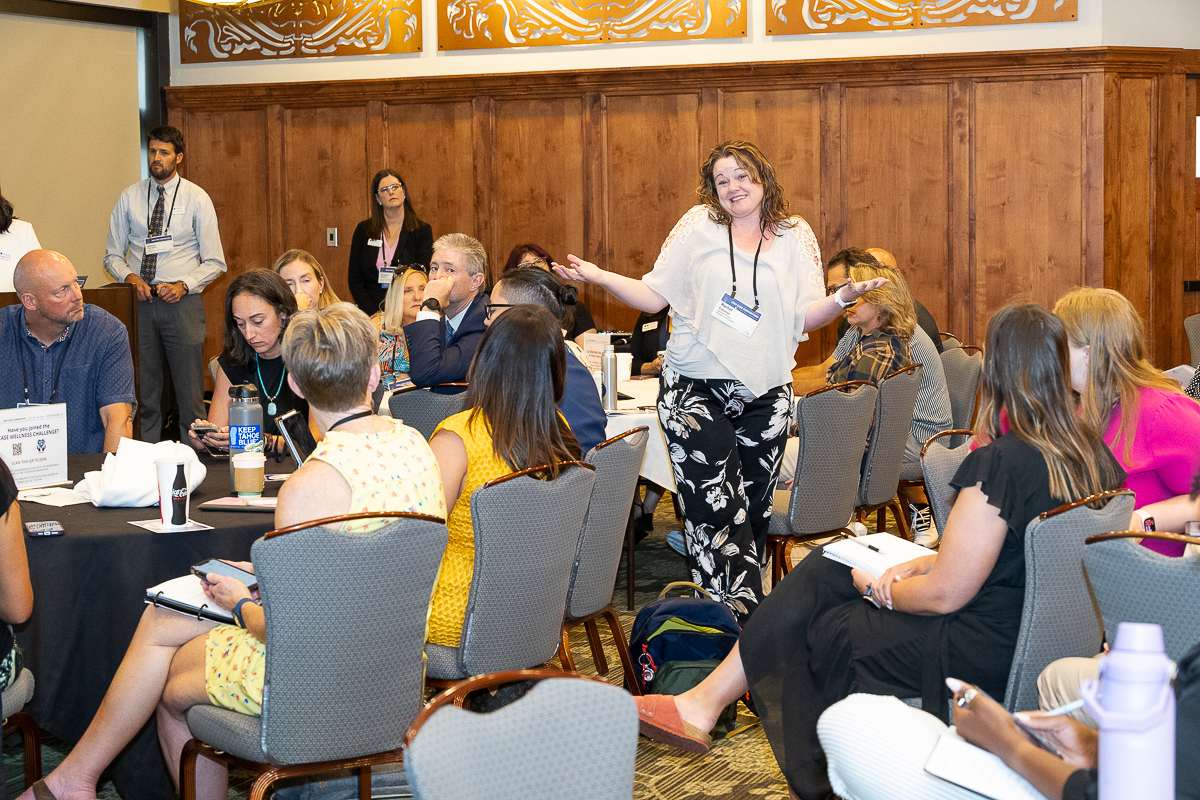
x,y
89,590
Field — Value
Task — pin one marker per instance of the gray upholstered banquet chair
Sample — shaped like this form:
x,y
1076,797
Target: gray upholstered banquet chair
x,y
1134,584
526,534
949,340
346,616
1191,326
570,736
423,409
377,398
938,465
1058,619
15,698
964,371
589,597
1059,616
825,487
880,476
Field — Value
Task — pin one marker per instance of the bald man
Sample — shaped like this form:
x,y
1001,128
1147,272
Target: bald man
x,y
57,349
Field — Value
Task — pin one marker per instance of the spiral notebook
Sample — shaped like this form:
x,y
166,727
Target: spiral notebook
x,y
956,760
184,595
876,553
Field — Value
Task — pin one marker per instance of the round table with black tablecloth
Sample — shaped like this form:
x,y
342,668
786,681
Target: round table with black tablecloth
x,y
89,588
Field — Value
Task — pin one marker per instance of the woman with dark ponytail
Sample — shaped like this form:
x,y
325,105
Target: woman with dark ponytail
x,y
16,239
581,401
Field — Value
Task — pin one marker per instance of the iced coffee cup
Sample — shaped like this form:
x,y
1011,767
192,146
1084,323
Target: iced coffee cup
x,y
249,474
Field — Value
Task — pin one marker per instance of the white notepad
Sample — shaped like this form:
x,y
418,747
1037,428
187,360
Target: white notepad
x,y
892,550
184,595
956,760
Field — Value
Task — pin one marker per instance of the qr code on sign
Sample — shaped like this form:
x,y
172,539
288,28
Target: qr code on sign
x,y
16,449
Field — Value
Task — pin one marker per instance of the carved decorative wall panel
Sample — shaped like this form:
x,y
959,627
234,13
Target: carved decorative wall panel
x,y
479,24
828,16
249,31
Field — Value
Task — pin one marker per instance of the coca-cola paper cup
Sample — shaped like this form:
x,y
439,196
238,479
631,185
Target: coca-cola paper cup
x,y
174,476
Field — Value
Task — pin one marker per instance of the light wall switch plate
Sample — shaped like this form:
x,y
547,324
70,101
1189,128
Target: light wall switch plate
x,y
331,237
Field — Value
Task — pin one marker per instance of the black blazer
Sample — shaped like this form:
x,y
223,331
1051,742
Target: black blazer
x,y
645,344
413,247
433,360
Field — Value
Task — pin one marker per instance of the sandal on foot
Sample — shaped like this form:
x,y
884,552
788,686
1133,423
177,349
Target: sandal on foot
x,y
42,792
658,719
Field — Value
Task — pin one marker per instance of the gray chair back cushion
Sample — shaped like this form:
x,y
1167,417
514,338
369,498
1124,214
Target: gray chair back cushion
x,y
963,372
377,398
938,465
423,410
346,617
1133,584
885,451
827,462
526,537
565,738
600,547
19,692
1191,325
1059,619
950,342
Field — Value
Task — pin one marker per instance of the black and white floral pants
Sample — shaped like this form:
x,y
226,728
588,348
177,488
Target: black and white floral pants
x,y
726,446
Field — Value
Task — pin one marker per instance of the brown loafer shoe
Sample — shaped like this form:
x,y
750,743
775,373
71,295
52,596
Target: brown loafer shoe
x,y
659,719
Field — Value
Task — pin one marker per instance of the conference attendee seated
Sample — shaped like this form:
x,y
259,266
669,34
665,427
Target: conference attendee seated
x,y
306,278
531,254
510,421
443,339
55,348
932,413
647,344
258,307
955,612
581,400
16,592
364,463
400,307
1151,426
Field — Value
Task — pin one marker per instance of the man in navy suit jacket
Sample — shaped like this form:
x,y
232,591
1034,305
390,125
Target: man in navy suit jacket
x,y
443,339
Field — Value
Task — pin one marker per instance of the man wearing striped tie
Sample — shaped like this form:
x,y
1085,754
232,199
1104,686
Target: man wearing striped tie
x,y
163,239
443,339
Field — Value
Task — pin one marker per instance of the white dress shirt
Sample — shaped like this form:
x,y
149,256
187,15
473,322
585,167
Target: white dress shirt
x,y
18,240
196,257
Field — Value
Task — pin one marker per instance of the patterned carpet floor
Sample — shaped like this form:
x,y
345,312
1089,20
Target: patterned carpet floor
x,y
738,767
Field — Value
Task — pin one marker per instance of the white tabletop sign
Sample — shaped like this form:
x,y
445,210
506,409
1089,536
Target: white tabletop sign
x,y
33,443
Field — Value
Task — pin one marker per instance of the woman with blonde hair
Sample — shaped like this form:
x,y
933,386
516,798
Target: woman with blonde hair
x,y
887,318
1151,426
400,307
306,279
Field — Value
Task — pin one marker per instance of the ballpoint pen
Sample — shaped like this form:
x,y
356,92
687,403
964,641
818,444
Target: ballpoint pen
x,y
864,544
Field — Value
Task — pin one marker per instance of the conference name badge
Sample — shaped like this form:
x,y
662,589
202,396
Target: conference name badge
x,y
158,244
737,315
650,326
374,242
385,275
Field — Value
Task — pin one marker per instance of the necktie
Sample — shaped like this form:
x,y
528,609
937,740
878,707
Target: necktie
x,y
156,222
449,331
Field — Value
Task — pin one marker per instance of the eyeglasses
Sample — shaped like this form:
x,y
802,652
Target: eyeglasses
x,y
489,309
835,289
534,262
395,187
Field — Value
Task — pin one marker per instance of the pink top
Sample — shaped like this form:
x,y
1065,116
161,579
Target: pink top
x,y
1165,452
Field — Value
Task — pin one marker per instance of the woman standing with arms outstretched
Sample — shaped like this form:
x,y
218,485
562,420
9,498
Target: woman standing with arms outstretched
x,y
743,279
391,236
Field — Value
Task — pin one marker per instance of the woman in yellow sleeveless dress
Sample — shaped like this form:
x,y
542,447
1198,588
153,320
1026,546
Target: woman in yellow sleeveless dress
x,y
510,421
365,463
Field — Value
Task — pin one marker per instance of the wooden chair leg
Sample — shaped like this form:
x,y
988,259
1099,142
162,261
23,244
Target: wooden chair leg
x,y
901,520
187,766
364,782
618,634
31,742
630,566
564,649
593,635
678,508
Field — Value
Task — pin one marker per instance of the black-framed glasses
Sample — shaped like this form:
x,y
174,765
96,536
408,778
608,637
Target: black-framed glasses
x,y
830,290
490,308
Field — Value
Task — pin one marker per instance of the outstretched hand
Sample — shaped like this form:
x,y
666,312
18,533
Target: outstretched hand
x,y
854,290
578,270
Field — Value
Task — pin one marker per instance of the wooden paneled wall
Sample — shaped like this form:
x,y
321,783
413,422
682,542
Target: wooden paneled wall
x,y
994,178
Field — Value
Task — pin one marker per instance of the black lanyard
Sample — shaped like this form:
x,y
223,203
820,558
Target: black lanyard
x,y
733,269
57,372
167,224
350,418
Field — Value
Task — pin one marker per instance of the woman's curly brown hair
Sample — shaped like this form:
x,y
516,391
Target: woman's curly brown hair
x,y
773,212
